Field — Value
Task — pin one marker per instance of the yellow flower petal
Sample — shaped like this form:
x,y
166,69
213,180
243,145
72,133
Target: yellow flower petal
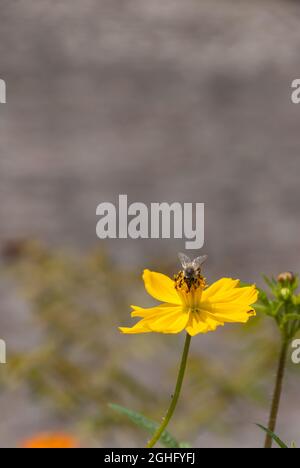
x,y
162,319
201,322
241,315
137,329
248,295
161,287
144,313
226,302
219,287
172,320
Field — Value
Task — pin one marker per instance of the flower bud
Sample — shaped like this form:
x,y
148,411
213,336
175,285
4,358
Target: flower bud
x,y
285,293
287,277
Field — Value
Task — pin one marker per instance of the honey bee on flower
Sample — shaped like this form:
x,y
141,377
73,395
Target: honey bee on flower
x,y
188,303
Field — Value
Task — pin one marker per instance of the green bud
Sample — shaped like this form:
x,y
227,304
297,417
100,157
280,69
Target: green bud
x,y
285,293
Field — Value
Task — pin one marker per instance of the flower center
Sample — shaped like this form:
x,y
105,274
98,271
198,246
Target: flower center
x,y
190,288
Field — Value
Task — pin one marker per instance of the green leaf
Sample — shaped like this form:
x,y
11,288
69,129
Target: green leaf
x,y
274,437
296,300
263,297
270,282
263,309
290,317
150,426
184,445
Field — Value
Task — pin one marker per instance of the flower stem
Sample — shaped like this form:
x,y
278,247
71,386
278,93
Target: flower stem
x,y
277,392
176,395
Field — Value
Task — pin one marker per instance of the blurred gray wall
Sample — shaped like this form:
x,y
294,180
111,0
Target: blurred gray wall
x,y
172,100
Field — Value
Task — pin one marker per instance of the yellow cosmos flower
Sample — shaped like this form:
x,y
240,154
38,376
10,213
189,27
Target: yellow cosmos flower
x,y
192,306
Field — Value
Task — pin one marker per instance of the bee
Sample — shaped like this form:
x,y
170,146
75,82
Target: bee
x,y
192,269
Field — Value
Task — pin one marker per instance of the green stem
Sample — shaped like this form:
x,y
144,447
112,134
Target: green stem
x,y
277,393
156,437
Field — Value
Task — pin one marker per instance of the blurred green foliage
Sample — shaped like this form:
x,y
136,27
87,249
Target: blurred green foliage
x,y
79,362
282,303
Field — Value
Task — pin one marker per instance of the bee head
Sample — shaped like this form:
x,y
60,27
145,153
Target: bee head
x,y
189,272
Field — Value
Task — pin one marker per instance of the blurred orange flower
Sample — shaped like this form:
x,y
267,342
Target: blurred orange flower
x,y
54,440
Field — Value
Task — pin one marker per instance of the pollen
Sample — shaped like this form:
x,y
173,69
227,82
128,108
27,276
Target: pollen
x,y
182,284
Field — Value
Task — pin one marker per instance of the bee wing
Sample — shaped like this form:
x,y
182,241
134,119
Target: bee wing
x,y
198,262
184,260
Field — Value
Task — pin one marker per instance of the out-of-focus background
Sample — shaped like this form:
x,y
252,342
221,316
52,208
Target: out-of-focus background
x,y
164,101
